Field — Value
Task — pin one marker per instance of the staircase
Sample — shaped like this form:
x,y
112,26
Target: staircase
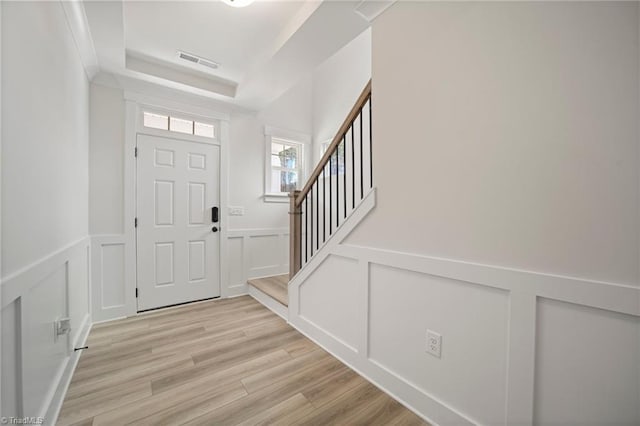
x,y
335,189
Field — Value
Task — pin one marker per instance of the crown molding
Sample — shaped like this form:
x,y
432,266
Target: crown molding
x,y
79,26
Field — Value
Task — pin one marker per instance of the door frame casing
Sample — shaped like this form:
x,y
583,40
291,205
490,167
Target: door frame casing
x,y
134,103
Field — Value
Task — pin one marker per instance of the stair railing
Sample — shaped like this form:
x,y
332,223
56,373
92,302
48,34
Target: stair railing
x,y
335,187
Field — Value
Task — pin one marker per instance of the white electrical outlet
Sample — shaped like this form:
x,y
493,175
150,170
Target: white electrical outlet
x,y
236,211
61,326
434,343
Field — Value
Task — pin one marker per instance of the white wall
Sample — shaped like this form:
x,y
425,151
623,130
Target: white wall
x,y
258,242
506,162
337,83
45,135
106,161
526,146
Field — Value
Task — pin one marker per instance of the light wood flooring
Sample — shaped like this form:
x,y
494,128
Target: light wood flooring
x,y
224,362
275,286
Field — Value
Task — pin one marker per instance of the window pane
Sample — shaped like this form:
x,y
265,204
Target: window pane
x,y
203,129
275,160
180,125
288,181
155,121
290,157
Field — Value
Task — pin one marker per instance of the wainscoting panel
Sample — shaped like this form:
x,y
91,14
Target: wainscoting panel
x,y
113,277
583,351
472,321
255,253
329,303
518,347
235,248
37,363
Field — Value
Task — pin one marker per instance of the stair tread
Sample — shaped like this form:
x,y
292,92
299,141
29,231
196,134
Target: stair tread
x,y
275,286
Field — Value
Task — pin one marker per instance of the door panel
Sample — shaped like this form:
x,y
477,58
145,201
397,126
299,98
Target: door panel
x,y
177,252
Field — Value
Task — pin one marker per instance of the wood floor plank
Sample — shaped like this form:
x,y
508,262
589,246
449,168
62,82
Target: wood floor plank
x,y
336,411
148,371
217,362
275,373
266,327
85,422
82,408
284,413
300,347
165,406
215,375
195,406
334,389
256,402
263,342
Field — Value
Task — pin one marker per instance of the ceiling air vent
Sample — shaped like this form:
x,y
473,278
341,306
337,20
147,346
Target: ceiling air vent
x,y
198,60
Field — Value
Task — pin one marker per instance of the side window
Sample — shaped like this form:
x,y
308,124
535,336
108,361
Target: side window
x,y
286,161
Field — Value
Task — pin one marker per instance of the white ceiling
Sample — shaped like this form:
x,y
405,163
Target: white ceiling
x,y
263,49
233,37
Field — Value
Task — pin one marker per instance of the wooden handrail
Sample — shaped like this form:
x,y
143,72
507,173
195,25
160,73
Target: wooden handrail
x,y
362,100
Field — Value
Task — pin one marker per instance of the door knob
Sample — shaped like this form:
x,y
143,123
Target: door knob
x,y
214,229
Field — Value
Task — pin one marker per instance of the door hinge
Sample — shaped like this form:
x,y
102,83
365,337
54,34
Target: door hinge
x,y
136,292
135,222
135,152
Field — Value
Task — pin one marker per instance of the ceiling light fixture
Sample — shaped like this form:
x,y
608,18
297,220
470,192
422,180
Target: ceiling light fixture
x,y
238,3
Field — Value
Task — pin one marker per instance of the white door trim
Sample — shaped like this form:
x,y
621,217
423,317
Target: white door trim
x,y
134,103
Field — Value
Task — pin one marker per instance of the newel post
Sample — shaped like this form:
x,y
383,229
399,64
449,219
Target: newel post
x,y
295,233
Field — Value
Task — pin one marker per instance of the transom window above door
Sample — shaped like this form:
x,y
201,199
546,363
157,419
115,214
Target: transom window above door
x,y
170,123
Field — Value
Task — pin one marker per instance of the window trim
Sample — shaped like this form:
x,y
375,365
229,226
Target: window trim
x,y
289,137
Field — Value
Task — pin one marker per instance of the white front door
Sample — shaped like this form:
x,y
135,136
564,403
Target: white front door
x,y
178,248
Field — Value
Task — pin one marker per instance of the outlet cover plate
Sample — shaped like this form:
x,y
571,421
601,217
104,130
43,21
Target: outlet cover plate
x,y
434,343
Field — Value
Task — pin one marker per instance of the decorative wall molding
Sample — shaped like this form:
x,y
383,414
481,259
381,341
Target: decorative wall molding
x,y
112,277
598,294
255,253
249,253
524,292
34,298
21,281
